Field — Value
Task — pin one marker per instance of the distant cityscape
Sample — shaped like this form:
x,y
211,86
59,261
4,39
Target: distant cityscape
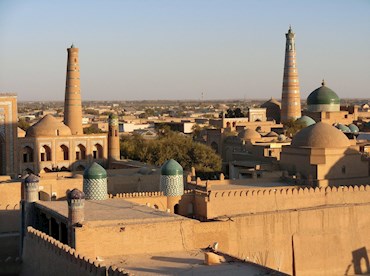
x,y
194,187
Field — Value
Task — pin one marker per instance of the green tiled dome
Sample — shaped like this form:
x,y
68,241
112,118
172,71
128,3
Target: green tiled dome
x,y
171,167
343,128
323,95
95,171
353,128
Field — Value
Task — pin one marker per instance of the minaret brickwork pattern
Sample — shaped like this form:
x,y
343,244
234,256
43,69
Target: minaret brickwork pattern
x,y
72,102
113,139
291,97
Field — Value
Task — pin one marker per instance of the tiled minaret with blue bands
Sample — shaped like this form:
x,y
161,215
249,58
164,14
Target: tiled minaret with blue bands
x,y
95,183
172,182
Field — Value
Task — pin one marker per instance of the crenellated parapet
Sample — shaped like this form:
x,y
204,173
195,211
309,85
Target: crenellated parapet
x,y
40,244
142,194
245,201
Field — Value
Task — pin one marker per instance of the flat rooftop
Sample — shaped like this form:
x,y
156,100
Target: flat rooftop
x,y
110,211
184,263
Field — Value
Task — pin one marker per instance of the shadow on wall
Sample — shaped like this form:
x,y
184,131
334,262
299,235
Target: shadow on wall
x,y
360,262
346,168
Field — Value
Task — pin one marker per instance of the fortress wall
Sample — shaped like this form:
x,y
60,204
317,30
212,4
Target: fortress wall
x,y
141,238
9,245
233,202
58,186
43,255
324,241
10,195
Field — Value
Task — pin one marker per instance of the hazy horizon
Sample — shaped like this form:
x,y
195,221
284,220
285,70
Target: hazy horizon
x,y
177,50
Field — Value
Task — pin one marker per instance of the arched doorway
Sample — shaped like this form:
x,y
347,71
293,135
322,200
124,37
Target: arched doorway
x,y
27,154
80,152
63,153
45,153
97,151
176,209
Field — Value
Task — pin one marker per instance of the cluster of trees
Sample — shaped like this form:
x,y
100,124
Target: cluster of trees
x,y
292,127
23,124
171,145
234,113
92,130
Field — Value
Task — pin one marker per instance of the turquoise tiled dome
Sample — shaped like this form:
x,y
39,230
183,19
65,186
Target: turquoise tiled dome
x,y
353,128
95,171
95,183
323,95
171,167
171,181
306,121
343,128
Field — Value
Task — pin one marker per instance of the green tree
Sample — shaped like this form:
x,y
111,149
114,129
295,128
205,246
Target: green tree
x,y
23,124
292,127
92,129
172,145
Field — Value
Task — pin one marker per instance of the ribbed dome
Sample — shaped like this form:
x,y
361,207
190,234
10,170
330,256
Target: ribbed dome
x,y
343,128
48,126
249,134
171,167
320,135
271,102
95,171
305,121
323,95
353,128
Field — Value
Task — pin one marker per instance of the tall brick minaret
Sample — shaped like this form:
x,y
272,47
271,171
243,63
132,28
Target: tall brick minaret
x,y
72,102
291,97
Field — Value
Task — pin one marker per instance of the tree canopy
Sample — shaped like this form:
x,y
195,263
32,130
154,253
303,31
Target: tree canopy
x,y
233,113
171,145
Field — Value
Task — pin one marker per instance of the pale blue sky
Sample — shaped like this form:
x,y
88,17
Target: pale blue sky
x,y
134,50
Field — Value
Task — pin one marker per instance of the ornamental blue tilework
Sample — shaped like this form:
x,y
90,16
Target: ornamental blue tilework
x,y
172,185
95,189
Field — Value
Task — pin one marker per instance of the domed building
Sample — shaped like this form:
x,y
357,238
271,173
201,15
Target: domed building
x,y
48,126
323,105
322,155
249,135
273,110
49,145
323,99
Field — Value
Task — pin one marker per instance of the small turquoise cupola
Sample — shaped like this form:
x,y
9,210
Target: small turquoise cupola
x,y
95,182
323,99
172,182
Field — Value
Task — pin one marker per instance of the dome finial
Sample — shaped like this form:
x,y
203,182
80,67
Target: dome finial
x,y
323,82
